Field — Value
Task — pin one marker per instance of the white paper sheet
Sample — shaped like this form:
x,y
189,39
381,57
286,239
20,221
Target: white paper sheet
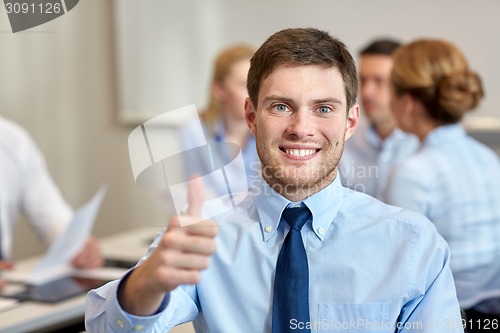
x,y
57,260
7,303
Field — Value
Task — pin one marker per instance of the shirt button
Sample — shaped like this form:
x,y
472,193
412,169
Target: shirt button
x,y
321,230
120,323
138,327
268,229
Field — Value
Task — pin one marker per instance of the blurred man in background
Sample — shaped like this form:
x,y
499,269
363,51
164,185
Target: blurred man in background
x,y
377,144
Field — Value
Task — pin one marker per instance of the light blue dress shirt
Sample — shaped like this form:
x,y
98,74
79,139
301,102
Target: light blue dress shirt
x,y
371,266
367,160
455,181
221,154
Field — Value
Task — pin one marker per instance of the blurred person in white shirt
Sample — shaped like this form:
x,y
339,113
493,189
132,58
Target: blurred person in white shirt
x,y
27,188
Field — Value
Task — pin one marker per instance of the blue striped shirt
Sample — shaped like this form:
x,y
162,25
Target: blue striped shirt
x,y
455,181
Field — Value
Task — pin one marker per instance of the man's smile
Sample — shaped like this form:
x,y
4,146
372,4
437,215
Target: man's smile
x,y
299,152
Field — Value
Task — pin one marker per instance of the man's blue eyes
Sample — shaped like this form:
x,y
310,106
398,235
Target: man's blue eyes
x,y
281,107
284,108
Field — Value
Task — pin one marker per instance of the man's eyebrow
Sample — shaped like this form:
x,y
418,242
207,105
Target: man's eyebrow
x,y
328,100
273,98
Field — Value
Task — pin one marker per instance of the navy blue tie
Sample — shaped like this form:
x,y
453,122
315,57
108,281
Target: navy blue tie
x,y
291,283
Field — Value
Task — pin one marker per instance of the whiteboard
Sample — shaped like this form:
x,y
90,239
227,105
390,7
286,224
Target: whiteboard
x,y
165,49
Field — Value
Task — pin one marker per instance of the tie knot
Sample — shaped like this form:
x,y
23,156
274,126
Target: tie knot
x,y
296,217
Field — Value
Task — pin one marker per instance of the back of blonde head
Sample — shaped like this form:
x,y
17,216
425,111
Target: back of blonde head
x,y
437,74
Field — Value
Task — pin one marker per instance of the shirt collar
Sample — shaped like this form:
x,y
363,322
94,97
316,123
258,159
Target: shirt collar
x,y
323,205
443,133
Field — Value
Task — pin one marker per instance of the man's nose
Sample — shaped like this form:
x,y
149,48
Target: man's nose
x,y
301,124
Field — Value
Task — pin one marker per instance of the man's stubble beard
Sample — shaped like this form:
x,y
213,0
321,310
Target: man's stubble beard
x,y
290,182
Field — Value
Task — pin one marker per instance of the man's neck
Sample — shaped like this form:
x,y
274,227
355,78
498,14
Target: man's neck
x,y
300,192
384,129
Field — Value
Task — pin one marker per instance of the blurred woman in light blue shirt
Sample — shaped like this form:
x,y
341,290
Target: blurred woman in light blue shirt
x,y
224,127
453,179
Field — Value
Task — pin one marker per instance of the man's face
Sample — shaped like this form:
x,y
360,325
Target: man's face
x,y
375,89
300,125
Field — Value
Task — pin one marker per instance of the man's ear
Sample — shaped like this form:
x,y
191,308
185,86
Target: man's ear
x,y
352,121
250,115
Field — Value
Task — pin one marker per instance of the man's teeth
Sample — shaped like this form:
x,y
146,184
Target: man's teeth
x,y
300,152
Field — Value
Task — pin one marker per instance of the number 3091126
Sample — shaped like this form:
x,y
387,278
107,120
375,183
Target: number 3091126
x,y
33,8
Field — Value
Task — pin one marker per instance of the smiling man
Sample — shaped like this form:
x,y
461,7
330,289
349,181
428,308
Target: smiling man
x,y
303,253
300,128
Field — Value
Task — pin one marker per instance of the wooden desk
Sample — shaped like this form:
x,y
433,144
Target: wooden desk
x,y
41,317
130,245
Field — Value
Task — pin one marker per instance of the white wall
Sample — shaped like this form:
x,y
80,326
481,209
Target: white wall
x,y
64,80
58,81
178,40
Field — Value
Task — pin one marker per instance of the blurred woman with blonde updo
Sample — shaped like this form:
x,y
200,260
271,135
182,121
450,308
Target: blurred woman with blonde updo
x,y
452,179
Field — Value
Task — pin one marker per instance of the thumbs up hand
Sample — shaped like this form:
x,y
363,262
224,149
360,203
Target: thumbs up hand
x,y
182,253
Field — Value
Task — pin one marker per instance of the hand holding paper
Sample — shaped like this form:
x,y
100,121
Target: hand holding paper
x,y
89,256
57,260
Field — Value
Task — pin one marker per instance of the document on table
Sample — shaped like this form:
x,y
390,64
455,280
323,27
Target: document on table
x,y
6,303
57,260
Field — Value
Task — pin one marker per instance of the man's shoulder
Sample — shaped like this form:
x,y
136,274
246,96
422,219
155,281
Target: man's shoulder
x,y
12,131
364,206
15,139
226,206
